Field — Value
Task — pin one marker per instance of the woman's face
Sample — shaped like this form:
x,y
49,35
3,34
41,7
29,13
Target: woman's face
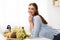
x,y
31,10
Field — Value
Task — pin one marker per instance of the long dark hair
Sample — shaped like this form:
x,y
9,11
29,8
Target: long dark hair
x,y
36,13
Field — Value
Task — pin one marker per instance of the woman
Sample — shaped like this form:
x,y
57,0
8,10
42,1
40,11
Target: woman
x,y
36,21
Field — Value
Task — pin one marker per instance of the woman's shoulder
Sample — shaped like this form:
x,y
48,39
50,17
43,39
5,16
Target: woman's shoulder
x,y
36,17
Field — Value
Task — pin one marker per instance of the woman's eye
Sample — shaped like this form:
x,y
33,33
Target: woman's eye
x,y
32,8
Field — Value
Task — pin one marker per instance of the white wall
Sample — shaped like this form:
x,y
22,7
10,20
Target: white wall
x,y
53,15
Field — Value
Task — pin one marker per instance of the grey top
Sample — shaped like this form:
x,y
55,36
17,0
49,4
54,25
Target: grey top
x,y
41,29
37,26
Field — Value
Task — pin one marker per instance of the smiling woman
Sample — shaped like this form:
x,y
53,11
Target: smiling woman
x,y
36,21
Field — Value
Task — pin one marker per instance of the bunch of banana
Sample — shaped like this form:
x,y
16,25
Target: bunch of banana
x,y
21,34
16,32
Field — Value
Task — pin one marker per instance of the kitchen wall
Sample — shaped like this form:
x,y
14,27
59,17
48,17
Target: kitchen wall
x,y
53,15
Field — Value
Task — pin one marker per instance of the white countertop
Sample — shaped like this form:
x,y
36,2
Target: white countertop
x,y
30,39
38,39
2,38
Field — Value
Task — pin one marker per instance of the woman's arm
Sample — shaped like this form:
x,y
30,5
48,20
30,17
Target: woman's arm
x,y
37,25
31,26
31,23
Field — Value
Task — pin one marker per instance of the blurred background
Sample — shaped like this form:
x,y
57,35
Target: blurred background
x,y
15,13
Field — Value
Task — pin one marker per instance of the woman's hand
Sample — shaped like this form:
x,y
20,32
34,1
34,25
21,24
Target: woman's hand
x,y
30,19
31,23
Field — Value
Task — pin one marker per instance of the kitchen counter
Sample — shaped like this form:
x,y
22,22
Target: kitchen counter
x,y
31,39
